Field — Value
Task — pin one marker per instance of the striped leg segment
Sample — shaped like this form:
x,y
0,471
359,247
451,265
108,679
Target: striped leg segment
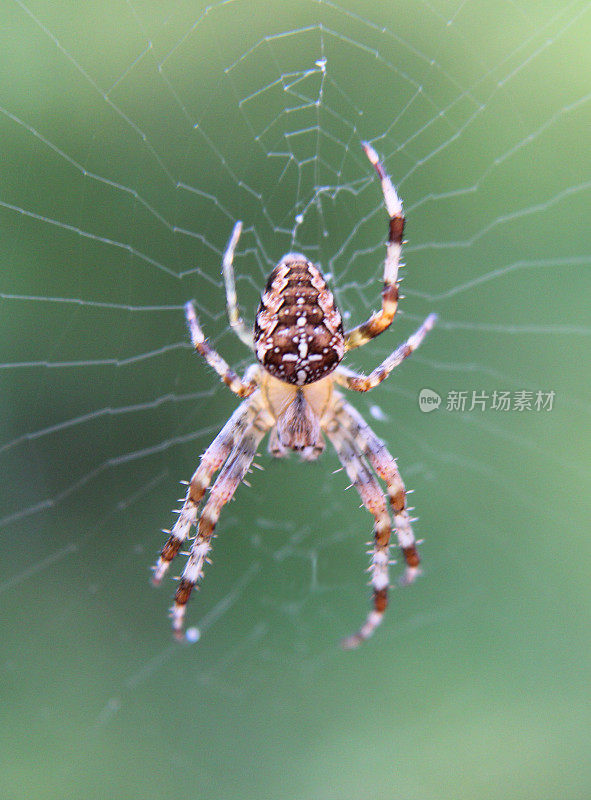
x,y
373,499
222,492
379,321
236,321
363,383
211,461
384,464
241,387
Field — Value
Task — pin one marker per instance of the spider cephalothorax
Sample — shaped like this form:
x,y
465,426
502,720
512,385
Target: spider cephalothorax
x,y
299,343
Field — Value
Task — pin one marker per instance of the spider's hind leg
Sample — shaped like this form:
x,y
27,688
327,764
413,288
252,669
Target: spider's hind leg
x,y
236,321
381,320
242,387
363,383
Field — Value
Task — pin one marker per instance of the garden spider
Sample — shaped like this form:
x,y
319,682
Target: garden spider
x,y
299,342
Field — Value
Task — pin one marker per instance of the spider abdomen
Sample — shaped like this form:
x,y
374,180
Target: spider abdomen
x,y
298,331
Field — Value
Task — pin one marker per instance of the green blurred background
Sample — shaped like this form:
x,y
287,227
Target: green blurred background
x,y
133,135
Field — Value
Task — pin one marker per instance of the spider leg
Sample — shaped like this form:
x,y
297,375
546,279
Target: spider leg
x,y
221,493
374,449
236,321
243,387
213,458
375,502
380,320
363,383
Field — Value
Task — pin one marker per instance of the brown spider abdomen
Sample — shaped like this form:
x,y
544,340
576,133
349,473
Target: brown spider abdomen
x,y
298,332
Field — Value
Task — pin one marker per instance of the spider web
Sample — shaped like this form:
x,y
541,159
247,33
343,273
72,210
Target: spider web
x,y
138,135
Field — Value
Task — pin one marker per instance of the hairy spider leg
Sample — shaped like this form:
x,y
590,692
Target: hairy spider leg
x,y
374,449
213,458
363,383
380,320
223,490
243,387
374,500
236,321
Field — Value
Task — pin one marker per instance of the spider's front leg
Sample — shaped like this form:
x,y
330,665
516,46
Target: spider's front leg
x,y
375,502
222,492
213,458
380,320
374,449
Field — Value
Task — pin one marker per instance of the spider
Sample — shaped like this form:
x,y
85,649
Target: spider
x,y
299,343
